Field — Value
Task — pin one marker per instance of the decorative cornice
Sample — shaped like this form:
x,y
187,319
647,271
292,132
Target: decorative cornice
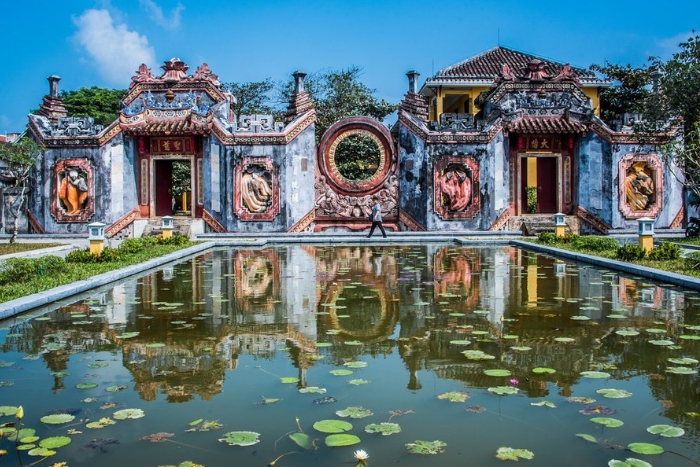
x,y
411,223
594,221
304,222
418,128
290,132
212,222
601,129
122,223
502,220
166,122
507,87
75,141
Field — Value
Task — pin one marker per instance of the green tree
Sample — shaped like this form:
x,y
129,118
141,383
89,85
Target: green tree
x,y
101,104
339,94
252,97
18,160
680,83
629,92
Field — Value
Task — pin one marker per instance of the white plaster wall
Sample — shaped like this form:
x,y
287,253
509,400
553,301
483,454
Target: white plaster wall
x,y
115,156
215,177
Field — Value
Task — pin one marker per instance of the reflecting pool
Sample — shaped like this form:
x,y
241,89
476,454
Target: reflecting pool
x,y
240,356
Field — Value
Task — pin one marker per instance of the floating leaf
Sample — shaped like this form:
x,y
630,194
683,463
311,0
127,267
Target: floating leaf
x,y
8,410
426,447
289,380
352,342
581,400
595,374
614,393
598,410
545,404
332,426
55,442
684,361
580,318
357,382
86,385
28,439
155,345
115,388
341,440
510,454
101,423
630,462
385,428
689,337
681,370
667,431
128,335
340,372
26,447
96,365
355,364
564,339
461,342
497,372
543,370
477,355
204,425
354,412
607,421
240,438
454,396
157,437
41,452
504,390
312,390
645,448
588,438
626,333
662,343
522,348
128,413
57,419
303,440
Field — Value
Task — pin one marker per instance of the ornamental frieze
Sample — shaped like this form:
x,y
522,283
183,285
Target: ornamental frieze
x,y
73,194
640,185
256,195
456,183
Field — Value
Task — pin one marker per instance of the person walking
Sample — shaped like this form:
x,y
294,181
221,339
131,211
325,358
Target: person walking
x,y
376,217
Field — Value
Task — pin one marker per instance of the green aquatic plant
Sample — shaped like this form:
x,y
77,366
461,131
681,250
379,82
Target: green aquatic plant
x,y
341,440
511,454
385,428
667,431
426,447
454,396
240,438
354,412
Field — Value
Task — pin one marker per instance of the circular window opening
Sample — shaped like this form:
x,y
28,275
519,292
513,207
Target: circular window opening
x,y
357,157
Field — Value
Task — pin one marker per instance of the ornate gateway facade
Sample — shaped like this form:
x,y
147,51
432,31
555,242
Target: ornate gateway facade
x,y
495,142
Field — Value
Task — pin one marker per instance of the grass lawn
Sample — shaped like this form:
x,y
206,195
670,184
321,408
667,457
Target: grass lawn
x,y
9,248
72,272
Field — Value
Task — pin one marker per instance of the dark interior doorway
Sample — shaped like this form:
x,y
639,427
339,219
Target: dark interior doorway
x,y
173,188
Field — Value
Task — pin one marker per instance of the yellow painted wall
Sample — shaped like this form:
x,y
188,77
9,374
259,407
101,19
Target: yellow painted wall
x,y
531,171
595,99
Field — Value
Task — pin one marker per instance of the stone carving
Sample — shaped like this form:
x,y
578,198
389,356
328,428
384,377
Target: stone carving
x,y
456,187
640,185
76,126
74,192
257,193
199,102
456,122
259,124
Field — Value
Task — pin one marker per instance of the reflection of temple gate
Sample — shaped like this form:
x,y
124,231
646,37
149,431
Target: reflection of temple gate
x,y
345,187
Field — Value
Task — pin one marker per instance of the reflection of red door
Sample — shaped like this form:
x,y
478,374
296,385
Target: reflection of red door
x,y
546,185
164,182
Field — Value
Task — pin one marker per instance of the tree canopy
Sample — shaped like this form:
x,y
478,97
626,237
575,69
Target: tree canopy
x,y
18,159
253,97
101,104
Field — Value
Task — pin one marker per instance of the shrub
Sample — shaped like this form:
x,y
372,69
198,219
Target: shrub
x,y
109,255
81,256
595,243
571,238
692,260
49,264
131,245
176,240
631,252
665,251
548,238
18,270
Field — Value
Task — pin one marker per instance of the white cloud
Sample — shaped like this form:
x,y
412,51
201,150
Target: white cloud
x,y
156,14
115,50
667,47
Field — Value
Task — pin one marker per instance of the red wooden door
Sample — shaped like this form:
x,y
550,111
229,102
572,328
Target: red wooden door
x,y
164,182
546,185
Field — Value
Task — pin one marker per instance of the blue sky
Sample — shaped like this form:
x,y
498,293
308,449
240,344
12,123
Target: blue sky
x,y
101,42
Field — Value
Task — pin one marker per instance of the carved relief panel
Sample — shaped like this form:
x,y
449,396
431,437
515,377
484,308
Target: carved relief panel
x,y
640,185
456,182
73,191
257,189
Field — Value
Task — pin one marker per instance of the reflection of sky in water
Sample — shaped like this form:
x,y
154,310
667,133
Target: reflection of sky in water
x,y
211,337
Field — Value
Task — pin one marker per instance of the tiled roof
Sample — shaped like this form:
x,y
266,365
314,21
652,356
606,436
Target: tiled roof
x,y
173,127
546,125
489,64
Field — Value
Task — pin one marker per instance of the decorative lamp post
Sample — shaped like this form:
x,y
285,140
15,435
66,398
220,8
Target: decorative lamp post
x,y
96,236
560,224
167,226
646,233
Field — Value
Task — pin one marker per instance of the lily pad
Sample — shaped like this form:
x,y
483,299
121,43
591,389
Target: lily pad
x,y
332,426
426,447
86,385
504,390
454,396
155,345
595,374
57,419
101,423
645,448
357,382
41,452
630,462
681,370
240,438
289,380
340,372
543,370
115,388
497,372
521,348
354,412
204,425
511,454
96,365
477,355
564,339
689,337
8,410
356,342
684,361
385,428
544,404
627,332
580,318
128,413
607,421
589,438
312,390
614,393
55,442
662,343
461,342
341,440
302,440
667,431
355,364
